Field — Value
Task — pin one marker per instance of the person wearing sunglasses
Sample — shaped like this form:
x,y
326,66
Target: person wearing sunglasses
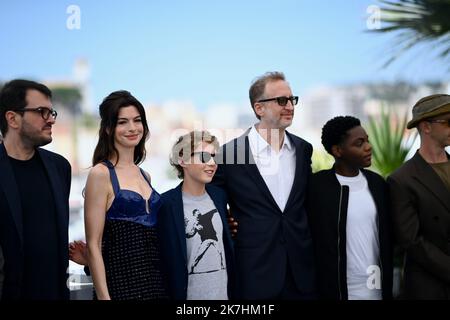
x,y
265,173
121,207
196,244
420,200
34,196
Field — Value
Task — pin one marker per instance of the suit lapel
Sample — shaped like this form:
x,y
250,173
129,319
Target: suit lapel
x,y
223,214
58,195
377,193
226,233
252,169
9,186
431,180
299,169
178,217
216,202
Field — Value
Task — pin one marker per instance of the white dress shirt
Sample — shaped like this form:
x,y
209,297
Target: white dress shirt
x,y
276,168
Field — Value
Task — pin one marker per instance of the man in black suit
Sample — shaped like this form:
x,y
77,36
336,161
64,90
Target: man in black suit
x,y
265,173
34,196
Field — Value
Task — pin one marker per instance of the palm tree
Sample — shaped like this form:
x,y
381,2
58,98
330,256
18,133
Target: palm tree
x,y
389,142
417,22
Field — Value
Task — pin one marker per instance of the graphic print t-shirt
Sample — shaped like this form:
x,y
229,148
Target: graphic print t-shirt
x,y
206,265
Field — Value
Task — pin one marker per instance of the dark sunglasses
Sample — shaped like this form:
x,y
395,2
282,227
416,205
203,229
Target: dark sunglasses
x,y
446,121
44,111
204,156
282,101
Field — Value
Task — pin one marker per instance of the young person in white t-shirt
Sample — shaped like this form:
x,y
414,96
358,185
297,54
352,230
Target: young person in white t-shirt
x,y
348,208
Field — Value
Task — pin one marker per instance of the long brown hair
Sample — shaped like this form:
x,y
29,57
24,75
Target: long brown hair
x,y
109,112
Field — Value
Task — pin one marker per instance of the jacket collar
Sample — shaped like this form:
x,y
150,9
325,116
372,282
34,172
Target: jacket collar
x,y
11,191
426,176
10,188
300,167
56,186
260,146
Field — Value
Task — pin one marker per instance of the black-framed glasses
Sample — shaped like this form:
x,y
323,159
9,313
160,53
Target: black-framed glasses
x,y
282,101
446,121
44,111
204,156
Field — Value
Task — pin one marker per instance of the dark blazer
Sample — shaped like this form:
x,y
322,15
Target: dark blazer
x,y
172,237
2,274
268,240
11,232
421,215
327,209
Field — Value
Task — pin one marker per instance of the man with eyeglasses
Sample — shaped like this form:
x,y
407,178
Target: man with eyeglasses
x,y
265,173
420,199
34,196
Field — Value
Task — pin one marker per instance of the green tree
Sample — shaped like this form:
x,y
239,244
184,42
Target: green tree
x,y
69,97
321,160
390,144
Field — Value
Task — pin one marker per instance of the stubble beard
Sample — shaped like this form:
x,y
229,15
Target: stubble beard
x,y
33,139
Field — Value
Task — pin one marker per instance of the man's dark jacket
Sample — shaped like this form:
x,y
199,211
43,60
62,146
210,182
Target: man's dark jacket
x,y
327,209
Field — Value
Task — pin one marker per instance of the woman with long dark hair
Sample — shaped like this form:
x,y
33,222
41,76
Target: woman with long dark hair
x,y
121,207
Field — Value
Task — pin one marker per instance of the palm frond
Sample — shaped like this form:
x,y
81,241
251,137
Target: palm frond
x,y
390,145
421,21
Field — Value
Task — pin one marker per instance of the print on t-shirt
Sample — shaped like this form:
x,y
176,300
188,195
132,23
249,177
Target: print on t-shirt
x,y
200,224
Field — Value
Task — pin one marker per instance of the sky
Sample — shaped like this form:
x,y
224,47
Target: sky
x,y
203,51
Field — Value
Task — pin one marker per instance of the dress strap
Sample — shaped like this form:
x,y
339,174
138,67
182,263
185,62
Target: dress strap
x,y
145,177
113,176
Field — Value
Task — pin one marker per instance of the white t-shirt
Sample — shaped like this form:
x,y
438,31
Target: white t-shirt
x,y
363,250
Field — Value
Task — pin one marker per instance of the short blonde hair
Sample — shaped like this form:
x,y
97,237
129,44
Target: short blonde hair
x,y
185,146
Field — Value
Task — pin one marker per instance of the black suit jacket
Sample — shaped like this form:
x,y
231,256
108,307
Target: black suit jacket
x,y
2,275
421,215
11,230
268,240
327,209
172,235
